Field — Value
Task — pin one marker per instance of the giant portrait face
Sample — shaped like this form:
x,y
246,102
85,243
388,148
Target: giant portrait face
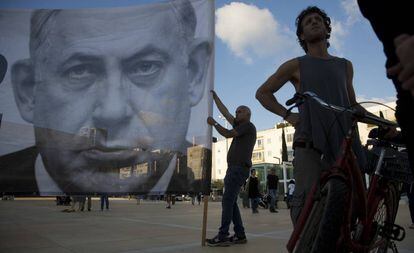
x,y
110,93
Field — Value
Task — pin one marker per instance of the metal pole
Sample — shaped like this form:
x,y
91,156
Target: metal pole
x,y
284,176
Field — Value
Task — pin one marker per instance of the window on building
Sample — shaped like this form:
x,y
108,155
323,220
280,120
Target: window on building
x,y
289,138
219,172
259,143
257,156
269,153
269,141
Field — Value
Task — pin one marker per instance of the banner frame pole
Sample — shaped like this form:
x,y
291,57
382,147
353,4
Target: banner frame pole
x,y
204,228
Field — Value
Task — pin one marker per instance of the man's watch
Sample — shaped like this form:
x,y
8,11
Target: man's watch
x,y
215,124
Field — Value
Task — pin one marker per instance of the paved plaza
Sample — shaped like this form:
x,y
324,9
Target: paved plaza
x,y
38,225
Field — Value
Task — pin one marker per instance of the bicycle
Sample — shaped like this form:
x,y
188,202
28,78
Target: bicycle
x,y
340,214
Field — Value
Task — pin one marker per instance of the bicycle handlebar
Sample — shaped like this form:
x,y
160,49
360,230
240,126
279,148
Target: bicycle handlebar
x,y
299,98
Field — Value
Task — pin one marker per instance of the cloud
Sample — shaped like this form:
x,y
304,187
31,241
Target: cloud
x,y
340,29
250,31
338,34
363,98
352,11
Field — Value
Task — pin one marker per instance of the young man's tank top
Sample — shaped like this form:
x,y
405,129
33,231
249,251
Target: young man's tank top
x,y
327,78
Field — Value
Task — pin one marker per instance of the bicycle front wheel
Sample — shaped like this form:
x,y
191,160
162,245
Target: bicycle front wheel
x,y
385,214
322,229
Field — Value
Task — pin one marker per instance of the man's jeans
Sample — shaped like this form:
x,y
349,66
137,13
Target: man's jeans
x,y
234,179
308,167
273,195
255,203
104,199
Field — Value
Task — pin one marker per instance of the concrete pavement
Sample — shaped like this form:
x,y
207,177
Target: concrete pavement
x,y
40,226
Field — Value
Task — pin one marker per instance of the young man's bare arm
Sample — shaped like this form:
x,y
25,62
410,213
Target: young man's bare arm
x,y
351,91
289,71
222,108
392,132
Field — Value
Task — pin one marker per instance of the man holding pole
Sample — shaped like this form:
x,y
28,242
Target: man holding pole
x,y
239,163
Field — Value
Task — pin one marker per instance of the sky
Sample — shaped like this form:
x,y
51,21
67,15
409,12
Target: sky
x,y
253,38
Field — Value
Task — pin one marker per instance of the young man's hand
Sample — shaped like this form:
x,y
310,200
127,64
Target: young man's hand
x,y
292,118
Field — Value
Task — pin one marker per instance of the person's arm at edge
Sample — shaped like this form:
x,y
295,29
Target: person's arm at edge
x,y
404,48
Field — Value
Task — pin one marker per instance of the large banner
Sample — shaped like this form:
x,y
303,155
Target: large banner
x,y
107,100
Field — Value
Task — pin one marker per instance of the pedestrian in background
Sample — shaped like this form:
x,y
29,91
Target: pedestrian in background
x,y
272,183
104,200
254,193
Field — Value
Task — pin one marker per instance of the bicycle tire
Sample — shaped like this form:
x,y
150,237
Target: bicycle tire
x,y
322,228
387,206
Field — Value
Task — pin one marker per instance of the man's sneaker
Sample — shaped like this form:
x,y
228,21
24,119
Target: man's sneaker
x,y
238,240
217,242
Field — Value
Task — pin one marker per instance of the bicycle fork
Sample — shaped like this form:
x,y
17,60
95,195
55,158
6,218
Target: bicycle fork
x,y
367,229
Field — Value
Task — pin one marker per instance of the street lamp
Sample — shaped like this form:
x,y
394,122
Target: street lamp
x,y
278,159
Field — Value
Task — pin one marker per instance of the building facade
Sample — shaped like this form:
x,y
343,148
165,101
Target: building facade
x,y
268,149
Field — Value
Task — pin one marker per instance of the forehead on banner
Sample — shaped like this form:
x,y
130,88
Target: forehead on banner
x,y
182,9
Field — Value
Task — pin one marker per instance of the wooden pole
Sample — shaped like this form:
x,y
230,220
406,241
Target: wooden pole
x,y
204,229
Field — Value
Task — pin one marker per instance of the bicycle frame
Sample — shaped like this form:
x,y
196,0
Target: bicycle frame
x,y
362,202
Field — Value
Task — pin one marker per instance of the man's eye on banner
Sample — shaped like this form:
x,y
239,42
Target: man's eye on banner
x,y
107,100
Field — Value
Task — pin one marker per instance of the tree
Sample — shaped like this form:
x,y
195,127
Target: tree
x,y
284,147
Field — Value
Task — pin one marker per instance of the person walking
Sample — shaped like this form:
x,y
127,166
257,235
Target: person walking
x,y
244,195
272,184
254,192
291,190
104,200
199,198
168,199
89,202
239,162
